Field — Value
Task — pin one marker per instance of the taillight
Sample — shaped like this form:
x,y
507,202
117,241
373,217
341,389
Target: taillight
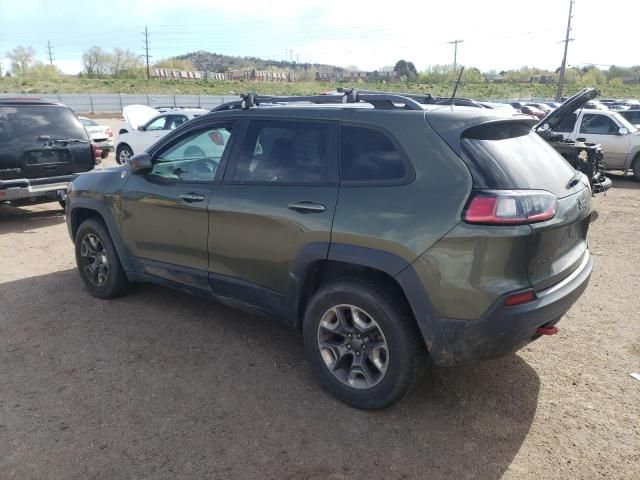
x,y
510,207
109,132
96,151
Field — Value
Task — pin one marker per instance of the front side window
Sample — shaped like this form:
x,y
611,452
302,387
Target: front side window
x,y
275,151
598,125
157,124
368,155
195,157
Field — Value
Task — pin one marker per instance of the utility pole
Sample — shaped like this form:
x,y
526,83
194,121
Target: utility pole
x,y
564,57
146,49
455,55
50,52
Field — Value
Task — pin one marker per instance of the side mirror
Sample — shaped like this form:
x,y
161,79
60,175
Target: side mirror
x,y
140,163
142,128
623,131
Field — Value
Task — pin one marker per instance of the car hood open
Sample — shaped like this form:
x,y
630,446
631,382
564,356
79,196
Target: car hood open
x,y
136,115
570,105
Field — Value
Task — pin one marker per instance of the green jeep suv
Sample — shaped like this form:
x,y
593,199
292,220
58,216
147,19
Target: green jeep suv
x,y
391,232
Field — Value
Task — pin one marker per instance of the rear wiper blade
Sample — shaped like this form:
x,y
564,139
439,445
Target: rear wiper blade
x,y
69,140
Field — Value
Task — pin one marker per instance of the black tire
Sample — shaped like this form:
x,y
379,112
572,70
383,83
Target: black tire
x,y
636,167
123,153
116,283
407,354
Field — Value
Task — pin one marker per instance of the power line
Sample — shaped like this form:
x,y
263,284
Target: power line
x,y
564,57
146,49
455,55
50,52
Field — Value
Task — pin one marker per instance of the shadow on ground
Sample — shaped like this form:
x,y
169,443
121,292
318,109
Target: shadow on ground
x,y
621,181
159,384
23,220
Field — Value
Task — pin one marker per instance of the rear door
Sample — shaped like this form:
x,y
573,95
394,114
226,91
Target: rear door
x,y
32,146
278,196
600,128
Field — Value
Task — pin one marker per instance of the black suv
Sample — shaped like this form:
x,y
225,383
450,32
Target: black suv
x,y
389,230
42,146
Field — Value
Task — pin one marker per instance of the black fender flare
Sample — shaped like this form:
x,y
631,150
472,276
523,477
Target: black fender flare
x,y
108,218
399,269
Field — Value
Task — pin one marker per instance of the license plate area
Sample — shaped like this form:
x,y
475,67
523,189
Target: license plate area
x,y
47,157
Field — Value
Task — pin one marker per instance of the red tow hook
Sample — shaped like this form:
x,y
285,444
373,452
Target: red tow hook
x,y
548,330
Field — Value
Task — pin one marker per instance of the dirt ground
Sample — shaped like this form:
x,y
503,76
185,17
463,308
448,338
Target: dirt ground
x,y
161,385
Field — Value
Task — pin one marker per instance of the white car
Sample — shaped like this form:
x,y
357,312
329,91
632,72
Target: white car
x,y
99,134
145,125
620,140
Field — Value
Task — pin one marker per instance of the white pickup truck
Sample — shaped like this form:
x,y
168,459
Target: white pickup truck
x,y
620,140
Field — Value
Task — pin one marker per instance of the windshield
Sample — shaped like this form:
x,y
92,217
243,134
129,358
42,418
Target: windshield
x,y
624,122
28,122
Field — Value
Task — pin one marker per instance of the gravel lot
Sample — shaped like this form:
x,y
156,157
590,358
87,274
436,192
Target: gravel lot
x,y
163,385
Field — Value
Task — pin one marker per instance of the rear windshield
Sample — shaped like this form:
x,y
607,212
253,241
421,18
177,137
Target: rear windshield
x,y
28,122
511,156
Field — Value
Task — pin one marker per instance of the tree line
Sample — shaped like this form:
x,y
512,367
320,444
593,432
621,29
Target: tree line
x,y
124,63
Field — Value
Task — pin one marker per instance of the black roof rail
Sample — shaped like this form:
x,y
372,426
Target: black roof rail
x,y
425,98
380,100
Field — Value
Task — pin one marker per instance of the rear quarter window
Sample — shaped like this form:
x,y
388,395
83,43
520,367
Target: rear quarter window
x,y
27,122
368,155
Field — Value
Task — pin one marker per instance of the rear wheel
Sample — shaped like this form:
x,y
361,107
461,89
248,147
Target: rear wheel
x,y
123,153
98,262
636,167
363,343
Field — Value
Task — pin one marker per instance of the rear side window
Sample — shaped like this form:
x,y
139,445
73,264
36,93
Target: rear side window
x,y
275,151
369,155
510,156
28,122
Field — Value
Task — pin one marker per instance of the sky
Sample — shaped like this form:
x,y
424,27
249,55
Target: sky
x,y
497,34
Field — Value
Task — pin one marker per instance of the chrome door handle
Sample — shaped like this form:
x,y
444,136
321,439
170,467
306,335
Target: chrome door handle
x,y
307,207
192,197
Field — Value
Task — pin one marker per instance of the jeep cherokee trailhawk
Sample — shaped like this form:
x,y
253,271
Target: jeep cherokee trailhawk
x,y
391,232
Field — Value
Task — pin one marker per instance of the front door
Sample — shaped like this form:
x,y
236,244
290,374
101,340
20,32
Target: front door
x,y
278,197
164,219
599,128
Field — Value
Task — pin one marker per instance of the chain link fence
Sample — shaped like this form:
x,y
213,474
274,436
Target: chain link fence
x,y
113,102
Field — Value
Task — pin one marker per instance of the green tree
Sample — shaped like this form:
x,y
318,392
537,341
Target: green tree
x,y
44,71
406,69
122,61
22,59
95,61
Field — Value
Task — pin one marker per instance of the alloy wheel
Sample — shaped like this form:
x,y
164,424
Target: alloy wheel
x,y
353,346
95,261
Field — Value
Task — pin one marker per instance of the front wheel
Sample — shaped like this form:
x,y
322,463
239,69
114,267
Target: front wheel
x,y
363,343
636,167
98,261
123,153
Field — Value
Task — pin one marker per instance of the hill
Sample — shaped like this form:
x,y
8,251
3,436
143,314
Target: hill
x,y
216,62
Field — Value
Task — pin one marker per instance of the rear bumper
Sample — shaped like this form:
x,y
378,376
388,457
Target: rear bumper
x,y
105,145
25,188
505,329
